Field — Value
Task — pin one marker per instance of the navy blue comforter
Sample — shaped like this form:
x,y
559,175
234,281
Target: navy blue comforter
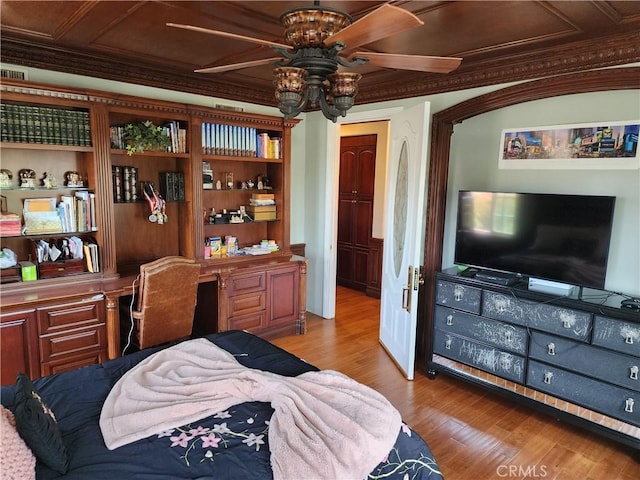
x,y
228,445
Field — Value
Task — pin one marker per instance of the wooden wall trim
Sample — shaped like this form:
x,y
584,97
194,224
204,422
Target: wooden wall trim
x,y
441,131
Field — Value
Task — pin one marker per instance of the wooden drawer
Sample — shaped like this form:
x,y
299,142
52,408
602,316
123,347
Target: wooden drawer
x,y
73,362
493,332
602,364
461,297
484,357
239,284
252,322
617,335
70,315
608,399
73,342
249,303
540,316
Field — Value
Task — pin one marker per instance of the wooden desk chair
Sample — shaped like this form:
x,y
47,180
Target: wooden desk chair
x,y
166,303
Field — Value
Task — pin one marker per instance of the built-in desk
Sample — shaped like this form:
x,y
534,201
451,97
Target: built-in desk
x,y
65,323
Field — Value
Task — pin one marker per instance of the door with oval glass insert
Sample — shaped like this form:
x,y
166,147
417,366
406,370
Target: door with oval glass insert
x,y
404,219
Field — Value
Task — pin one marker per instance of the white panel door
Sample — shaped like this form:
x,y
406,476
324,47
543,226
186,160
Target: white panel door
x,y
404,220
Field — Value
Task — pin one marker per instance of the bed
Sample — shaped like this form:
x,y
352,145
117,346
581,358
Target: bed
x,y
233,443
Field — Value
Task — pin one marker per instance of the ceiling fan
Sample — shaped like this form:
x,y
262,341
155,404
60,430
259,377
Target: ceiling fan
x,y
320,43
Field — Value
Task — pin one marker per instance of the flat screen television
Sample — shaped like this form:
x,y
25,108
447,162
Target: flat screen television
x,y
563,238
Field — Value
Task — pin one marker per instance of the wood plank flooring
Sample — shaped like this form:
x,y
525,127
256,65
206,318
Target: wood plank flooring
x,y
473,433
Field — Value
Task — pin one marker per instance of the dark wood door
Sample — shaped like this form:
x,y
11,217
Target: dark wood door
x,y
355,209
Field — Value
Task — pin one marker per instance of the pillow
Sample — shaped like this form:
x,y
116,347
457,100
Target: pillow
x,y
16,460
37,425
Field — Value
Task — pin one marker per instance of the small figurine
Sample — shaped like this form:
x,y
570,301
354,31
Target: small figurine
x,y
5,178
49,181
27,178
73,179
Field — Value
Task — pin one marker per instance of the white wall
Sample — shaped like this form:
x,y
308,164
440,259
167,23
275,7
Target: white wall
x,y
474,165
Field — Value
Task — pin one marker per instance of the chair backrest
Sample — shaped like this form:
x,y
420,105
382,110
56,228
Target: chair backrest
x,y
166,300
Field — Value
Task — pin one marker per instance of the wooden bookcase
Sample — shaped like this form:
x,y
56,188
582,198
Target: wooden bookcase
x,y
125,236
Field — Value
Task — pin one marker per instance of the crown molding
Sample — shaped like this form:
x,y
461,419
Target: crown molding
x,y
614,50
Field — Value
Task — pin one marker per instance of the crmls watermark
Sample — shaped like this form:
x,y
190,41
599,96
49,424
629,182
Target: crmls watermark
x,y
521,471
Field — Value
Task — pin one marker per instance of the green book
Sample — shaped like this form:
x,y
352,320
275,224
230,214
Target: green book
x,y
37,124
4,123
85,133
56,128
23,134
73,127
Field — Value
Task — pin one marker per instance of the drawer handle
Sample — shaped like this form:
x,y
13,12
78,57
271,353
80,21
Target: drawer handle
x,y
449,319
551,349
634,373
447,343
458,293
547,377
628,405
566,323
628,339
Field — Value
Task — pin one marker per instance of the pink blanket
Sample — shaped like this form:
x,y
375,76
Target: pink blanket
x,y
325,425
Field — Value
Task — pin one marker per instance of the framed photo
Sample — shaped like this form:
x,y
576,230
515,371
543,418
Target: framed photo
x,y
604,145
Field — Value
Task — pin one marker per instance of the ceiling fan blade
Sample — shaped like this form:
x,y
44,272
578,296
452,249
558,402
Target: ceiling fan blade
x,y
237,66
381,23
419,63
220,33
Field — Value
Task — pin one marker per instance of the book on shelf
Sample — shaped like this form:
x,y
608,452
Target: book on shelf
x,y
10,225
261,208
45,125
261,216
172,186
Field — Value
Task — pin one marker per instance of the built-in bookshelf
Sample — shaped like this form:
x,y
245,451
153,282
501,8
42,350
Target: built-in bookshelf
x,y
73,150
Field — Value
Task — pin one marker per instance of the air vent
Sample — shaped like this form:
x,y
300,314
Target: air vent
x,y
14,74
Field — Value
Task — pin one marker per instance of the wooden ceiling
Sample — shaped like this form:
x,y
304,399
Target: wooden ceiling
x,y
499,41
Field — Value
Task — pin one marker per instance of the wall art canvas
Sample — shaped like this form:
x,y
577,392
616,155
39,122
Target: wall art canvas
x,y
603,145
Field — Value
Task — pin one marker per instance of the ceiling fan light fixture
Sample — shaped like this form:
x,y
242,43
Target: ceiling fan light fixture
x,y
344,84
311,26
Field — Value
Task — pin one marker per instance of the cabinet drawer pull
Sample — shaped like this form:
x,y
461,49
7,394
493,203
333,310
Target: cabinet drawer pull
x,y
634,373
628,339
628,405
547,377
458,293
551,349
449,319
447,343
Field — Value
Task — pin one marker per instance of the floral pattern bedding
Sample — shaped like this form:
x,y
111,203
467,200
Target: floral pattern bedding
x,y
232,444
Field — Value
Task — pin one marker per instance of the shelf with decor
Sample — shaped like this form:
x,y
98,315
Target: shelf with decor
x,y
48,179
235,180
145,149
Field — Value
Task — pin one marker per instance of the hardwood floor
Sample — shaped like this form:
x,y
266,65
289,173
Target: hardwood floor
x,y
473,433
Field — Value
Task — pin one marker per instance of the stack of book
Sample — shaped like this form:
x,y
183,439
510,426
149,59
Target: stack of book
x,y
262,206
125,184
172,186
10,225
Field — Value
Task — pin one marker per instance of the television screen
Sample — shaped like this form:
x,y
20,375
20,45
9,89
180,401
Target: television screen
x,y
563,238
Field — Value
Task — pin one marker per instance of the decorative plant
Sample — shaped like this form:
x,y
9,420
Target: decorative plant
x,y
145,136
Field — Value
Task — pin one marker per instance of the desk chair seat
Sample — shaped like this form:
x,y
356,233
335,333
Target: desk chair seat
x,y
166,301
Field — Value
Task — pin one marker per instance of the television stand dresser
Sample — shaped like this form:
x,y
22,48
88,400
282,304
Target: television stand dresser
x,y
573,358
